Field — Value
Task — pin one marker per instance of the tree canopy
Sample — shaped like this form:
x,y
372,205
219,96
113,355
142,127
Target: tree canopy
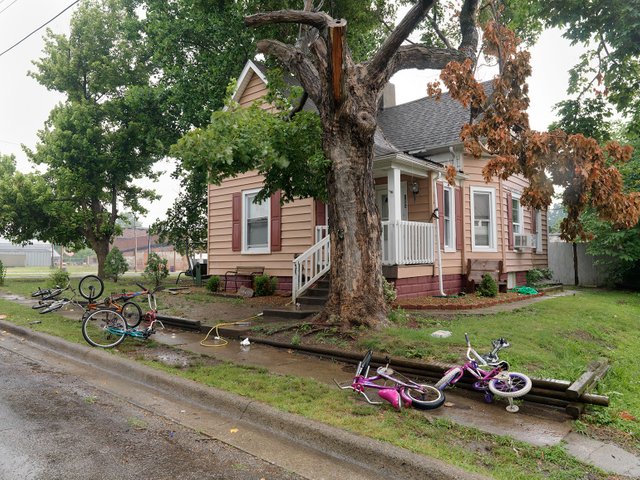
x,y
104,136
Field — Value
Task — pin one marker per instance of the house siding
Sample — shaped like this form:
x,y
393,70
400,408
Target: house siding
x,y
297,230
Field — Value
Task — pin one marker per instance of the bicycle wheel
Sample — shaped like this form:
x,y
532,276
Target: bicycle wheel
x,y
91,287
41,293
104,328
132,314
53,293
40,305
517,385
424,397
54,306
448,378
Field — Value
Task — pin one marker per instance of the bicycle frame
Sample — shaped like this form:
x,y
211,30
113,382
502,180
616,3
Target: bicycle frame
x,y
150,316
395,393
485,379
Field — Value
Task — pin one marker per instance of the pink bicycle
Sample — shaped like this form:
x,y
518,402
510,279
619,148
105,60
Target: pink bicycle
x,y
497,381
399,393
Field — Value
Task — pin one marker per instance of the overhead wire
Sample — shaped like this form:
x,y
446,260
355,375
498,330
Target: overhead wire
x,y
37,29
14,1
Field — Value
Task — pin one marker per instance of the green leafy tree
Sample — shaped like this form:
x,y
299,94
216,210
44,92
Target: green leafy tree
x,y
198,47
115,264
156,269
106,134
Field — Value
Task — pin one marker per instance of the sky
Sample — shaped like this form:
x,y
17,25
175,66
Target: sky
x,y
25,104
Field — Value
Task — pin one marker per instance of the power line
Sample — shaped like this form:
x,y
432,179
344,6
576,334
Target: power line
x,y
14,1
37,29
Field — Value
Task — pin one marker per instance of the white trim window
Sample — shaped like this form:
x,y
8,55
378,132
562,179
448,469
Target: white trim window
x,y
483,218
448,215
516,214
256,223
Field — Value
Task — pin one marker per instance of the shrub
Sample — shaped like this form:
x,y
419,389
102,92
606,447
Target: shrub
x,y
488,286
213,284
115,264
59,278
156,269
264,285
536,275
3,273
389,291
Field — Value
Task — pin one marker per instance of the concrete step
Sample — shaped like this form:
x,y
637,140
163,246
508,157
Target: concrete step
x,y
317,292
308,300
288,313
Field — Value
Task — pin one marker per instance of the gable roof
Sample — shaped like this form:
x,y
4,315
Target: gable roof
x,y
415,127
424,124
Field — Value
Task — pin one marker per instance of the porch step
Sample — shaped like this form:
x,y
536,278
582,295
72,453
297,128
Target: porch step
x,y
309,300
288,313
317,292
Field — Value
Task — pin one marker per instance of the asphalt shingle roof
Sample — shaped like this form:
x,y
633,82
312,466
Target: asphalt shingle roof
x,y
426,123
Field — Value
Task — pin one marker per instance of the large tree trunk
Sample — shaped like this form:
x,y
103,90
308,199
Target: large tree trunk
x,y
355,296
101,247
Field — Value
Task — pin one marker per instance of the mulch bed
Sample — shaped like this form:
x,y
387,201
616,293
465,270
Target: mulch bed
x,y
464,302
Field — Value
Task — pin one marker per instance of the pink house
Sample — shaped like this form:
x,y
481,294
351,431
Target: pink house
x,y
413,145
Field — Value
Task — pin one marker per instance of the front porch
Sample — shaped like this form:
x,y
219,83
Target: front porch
x,y
408,235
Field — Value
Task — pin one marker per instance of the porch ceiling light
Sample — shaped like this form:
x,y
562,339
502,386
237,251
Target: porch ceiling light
x,y
415,189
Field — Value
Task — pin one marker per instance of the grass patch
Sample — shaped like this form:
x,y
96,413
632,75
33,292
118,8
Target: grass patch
x,y
556,338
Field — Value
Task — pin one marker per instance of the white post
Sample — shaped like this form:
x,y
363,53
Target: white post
x,y
395,211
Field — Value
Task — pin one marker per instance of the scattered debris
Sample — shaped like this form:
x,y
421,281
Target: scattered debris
x,y
441,334
245,342
245,292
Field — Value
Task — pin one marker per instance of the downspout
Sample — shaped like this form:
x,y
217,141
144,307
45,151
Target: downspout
x,y
436,214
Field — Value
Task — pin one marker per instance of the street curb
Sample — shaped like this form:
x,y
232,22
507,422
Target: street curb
x,y
390,461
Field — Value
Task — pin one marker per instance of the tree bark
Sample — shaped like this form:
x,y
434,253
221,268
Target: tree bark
x,y
101,247
346,96
355,295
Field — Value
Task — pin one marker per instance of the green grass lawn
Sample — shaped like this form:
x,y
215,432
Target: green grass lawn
x,y
553,338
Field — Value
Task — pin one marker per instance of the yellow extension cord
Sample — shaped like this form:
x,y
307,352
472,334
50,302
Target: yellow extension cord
x,y
221,341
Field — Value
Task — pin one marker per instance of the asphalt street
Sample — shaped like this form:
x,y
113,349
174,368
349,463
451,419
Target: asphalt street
x,y
57,426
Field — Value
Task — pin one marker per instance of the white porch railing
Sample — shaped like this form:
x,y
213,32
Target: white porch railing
x,y
407,243
403,243
321,232
310,266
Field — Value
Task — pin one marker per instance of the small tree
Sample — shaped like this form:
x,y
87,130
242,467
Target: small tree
x,y
3,273
59,278
488,286
156,269
115,264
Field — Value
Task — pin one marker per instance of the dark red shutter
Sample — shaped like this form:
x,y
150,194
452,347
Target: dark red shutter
x,y
236,222
534,223
440,194
321,213
459,222
510,220
276,223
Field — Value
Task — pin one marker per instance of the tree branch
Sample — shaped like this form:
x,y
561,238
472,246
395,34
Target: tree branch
x,y
421,57
391,45
318,20
443,38
296,62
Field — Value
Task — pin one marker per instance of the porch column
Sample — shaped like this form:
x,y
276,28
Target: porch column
x,y
395,212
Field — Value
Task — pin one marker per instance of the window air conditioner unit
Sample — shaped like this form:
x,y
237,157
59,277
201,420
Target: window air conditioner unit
x,y
522,241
